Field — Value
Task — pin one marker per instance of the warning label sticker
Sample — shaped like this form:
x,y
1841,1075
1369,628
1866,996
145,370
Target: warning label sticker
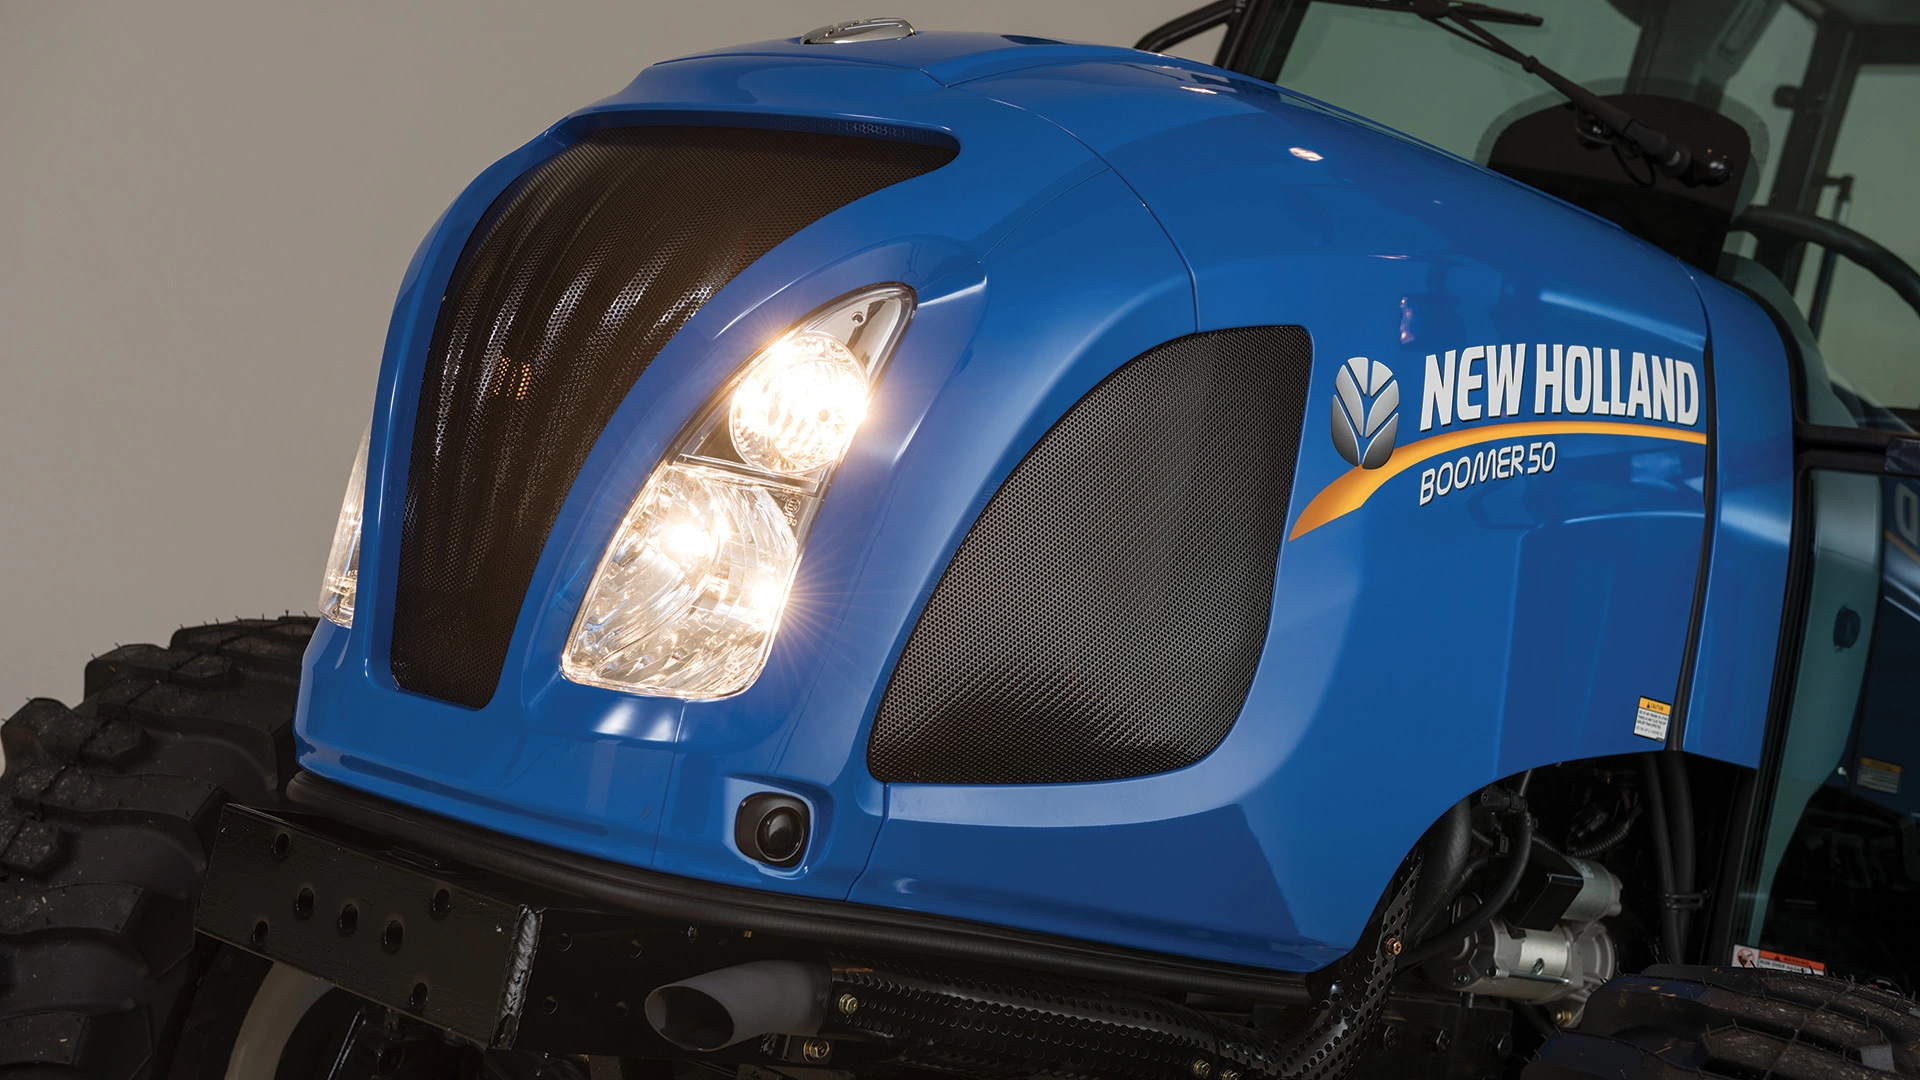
x,y
1881,776
1748,956
1650,721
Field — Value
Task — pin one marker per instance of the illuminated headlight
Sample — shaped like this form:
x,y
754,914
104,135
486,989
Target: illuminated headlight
x,y
688,597
342,577
798,405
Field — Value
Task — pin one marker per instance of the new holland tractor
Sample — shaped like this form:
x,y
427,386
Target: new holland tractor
x,y
896,554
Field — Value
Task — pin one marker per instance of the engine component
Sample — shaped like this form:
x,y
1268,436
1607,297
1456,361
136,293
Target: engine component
x,y
1602,842
1508,961
1003,1023
1559,888
1550,945
738,1003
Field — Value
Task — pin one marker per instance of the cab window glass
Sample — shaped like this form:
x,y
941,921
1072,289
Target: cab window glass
x,y
1752,62
1870,337
1403,72
1778,59
1839,881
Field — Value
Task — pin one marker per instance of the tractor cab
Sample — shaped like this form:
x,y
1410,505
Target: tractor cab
x,y
1814,102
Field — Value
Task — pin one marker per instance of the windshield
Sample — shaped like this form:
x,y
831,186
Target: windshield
x,y
1827,90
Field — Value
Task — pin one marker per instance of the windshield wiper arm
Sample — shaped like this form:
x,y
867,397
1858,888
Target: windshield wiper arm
x,y
1482,12
1669,155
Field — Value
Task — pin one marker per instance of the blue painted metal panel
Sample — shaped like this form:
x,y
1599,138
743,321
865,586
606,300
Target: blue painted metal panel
x,y
1006,350
1422,645
1427,636
1752,527
589,769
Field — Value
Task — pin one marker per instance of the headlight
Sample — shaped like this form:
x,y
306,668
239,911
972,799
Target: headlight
x,y
690,592
798,405
342,577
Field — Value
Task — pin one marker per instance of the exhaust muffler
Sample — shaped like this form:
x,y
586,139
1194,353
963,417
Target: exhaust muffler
x,y
731,1005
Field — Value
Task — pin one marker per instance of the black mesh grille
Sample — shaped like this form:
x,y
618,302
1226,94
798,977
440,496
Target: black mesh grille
x,y
1104,615
571,284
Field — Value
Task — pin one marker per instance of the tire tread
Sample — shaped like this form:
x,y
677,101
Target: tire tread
x,y
107,809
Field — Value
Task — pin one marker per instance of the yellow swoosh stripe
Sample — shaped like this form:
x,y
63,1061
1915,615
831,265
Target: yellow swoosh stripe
x,y
1902,545
1352,489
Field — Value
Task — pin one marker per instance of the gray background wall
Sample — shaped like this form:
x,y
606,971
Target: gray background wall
x,y
205,210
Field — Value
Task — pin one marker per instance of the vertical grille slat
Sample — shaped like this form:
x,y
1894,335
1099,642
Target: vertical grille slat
x,y
574,279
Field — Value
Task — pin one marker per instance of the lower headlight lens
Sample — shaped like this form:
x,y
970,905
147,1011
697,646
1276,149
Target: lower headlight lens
x,y
342,577
689,596
693,586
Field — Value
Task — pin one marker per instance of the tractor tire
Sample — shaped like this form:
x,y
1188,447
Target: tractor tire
x,y
1674,1021
107,811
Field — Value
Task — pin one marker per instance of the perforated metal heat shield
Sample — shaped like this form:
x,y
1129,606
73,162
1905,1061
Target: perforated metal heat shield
x,y
573,281
1104,616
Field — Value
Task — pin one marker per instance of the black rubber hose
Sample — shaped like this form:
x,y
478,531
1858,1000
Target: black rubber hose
x,y
1673,777
1444,866
1663,858
1610,839
1454,936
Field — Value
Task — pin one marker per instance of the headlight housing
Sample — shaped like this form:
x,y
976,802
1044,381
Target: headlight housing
x,y
688,596
341,581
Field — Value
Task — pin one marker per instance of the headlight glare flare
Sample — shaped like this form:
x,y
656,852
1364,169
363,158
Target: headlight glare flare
x,y
798,405
690,604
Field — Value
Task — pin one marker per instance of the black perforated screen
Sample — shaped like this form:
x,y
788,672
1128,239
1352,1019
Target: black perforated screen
x,y
570,285
1104,615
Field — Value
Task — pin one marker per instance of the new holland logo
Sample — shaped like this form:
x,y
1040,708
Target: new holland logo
x,y
1641,395
1366,412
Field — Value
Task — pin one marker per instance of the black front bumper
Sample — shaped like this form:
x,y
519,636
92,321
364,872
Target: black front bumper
x,y
561,876
444,945
506,943
498,963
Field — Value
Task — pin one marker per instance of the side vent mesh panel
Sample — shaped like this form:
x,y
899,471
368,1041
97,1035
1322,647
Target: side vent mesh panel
x,y
571,284
1104,616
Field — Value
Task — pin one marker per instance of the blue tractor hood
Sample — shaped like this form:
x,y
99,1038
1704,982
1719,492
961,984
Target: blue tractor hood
x,y
1499,564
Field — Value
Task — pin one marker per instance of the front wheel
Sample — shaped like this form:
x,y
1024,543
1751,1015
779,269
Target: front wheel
x,y
256,1020
107,815
107,811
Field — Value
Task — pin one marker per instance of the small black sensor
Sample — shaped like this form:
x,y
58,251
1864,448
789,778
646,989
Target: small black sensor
x,y
771,829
